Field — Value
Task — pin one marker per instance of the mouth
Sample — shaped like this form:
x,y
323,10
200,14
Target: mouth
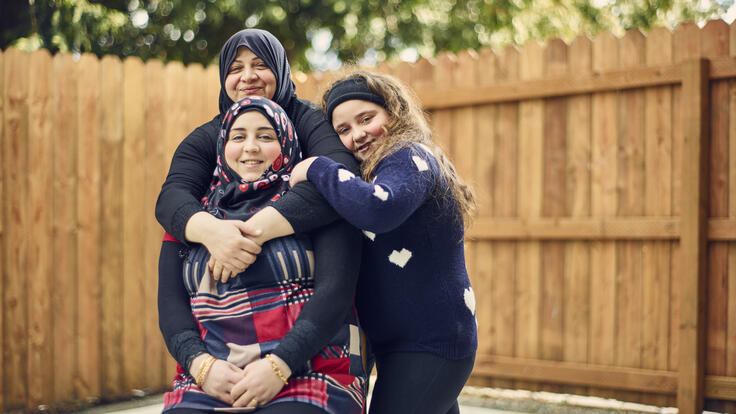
x,y
252,91
251,163
364,147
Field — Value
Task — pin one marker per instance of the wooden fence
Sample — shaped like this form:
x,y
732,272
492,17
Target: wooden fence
x,y
603,256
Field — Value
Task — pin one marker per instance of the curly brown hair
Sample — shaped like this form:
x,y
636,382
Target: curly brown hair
x,y
408,124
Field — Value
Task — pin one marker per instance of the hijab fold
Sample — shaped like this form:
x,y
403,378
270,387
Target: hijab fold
x,y
267,47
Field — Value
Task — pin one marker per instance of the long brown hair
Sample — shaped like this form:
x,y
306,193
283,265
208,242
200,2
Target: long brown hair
x,y
408,124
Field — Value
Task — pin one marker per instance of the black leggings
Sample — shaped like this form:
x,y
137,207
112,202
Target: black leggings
x,y
418,382
280,408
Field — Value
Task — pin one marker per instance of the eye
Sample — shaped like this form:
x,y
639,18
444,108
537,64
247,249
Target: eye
x,y
234,68
261,65
366,119
266,137
342,131
237,138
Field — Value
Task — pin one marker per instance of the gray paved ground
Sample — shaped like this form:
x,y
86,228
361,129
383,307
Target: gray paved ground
x,y
153,405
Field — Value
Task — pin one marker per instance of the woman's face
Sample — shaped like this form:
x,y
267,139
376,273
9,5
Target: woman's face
x,y
359,124
248,75
252,145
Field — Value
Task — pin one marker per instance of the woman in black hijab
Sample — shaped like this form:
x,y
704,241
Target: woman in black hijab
x,y
178,209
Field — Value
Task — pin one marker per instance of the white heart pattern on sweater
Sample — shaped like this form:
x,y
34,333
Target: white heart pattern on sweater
x,y
421,164
469,297
380,193
400,258
369,235
344,175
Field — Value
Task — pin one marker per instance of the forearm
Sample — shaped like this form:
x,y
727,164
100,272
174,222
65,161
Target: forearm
x,y
337,250
199,227
176,322
271,224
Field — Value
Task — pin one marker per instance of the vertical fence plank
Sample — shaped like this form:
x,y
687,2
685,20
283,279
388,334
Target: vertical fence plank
x,y
157,163
714,43
463,137
603,204
200,109
530,171
111,275
89,213
3,226
631,203
177,126
442,119
694,277
554,153
40,246
133,180
15,374
577,253
731,340
64,294
484,273
687,38
40,185
656,272
506,142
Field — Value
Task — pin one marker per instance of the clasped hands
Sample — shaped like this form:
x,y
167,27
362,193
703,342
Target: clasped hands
x,y
233,245
252,386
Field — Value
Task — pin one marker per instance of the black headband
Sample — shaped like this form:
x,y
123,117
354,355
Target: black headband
x,y
349,89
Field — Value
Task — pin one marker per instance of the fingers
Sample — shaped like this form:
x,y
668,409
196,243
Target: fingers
x,y
247,230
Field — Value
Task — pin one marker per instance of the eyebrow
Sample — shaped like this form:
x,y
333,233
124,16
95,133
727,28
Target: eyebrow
x,y
263,128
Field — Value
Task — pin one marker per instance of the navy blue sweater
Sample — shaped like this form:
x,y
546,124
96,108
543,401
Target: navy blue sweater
x,y
413,294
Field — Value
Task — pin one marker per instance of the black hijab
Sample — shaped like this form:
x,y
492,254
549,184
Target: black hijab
x,y
266,47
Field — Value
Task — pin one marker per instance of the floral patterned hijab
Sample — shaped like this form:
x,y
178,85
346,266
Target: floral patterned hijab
x,y
231,197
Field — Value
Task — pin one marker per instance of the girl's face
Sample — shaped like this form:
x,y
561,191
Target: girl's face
x,y
252,145
359,124
248,75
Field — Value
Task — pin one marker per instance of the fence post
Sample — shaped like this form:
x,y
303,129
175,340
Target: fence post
x,y
695,102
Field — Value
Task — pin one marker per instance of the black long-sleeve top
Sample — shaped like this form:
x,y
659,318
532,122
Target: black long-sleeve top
x,y
336,247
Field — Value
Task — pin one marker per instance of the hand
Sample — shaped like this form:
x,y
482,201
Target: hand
x,y
260,383
299,173
230,247
220,379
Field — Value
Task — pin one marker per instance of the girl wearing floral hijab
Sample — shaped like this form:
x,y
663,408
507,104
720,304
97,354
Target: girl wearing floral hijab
x,y
245,320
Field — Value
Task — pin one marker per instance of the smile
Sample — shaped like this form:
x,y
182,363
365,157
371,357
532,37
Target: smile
x,y
251,91
251,162
364,147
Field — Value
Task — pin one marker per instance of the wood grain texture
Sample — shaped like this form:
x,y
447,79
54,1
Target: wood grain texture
x,y
87,382
133,183
64,304
15,164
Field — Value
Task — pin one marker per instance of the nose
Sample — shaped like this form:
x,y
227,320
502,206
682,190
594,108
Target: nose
x,y
247,74
358,135
251,145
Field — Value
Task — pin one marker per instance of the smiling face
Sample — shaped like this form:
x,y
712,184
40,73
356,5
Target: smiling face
x,y
359,124
252,145
248,75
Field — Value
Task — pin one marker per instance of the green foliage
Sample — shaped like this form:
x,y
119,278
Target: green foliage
x,y
351,30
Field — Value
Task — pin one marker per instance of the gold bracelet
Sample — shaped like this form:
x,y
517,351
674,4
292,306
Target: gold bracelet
x,y
204,369
277,370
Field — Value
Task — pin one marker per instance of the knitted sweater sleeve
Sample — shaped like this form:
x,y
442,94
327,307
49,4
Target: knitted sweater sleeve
x,y
403,181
